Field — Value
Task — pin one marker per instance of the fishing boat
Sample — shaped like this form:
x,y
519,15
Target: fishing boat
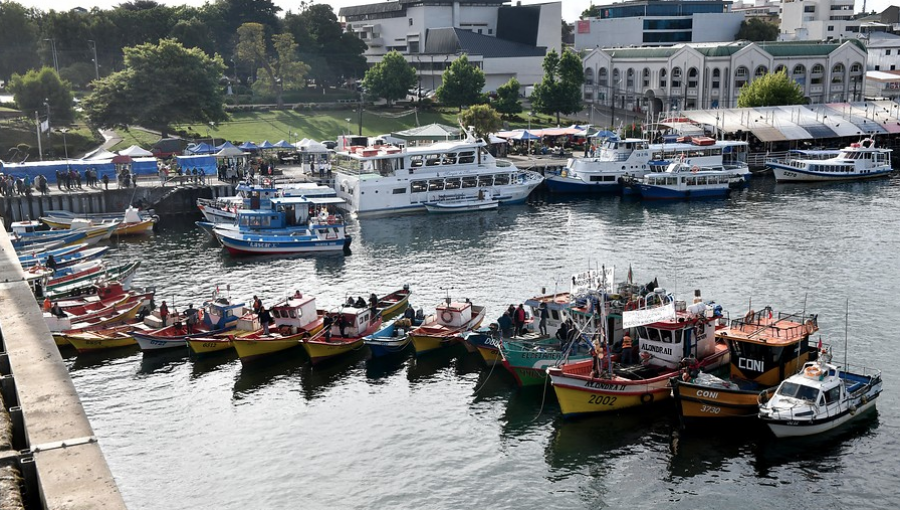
x,y
393,337
250,196
682,181
215,316
635,158
294,318
111,337
765,348
40,257
382,180
393,304
85,283
861,160
446,327
61,327
358,323
486,341
822,396
129,222
455,203
286,228
67,259
669,335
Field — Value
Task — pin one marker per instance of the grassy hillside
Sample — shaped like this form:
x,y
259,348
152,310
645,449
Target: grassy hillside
x,y
78,140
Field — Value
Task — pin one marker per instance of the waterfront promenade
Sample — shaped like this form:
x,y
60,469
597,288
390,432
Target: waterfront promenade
x,y
52,445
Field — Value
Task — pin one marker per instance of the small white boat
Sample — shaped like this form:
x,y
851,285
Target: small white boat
x,y
819,398
858,161
462,204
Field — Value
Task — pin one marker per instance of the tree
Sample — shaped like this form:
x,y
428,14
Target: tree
x,y
391,78
773,89
756,29
507,102
282,73
79,74
591,12
332,54
193,33
18,40
161,84
484,119
34,88
560,89
461,84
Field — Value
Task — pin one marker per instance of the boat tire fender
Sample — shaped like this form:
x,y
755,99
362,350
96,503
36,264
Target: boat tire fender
x,y
646,398
852,409
865,399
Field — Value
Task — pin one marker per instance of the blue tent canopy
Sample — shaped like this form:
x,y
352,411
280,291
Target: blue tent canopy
x,y
201,148
281,144
603,134
49,169
524,135
226,145
266,145
248,146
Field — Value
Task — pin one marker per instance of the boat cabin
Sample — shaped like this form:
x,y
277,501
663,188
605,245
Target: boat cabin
x,y
557,304
295,312
356,321
219,312
767,348
26,226
689,334
453,315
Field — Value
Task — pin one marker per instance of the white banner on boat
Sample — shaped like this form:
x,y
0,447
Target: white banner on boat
x,y
634,318
593,280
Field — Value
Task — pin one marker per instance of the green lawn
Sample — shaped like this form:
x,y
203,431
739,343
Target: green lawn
x,y
327,124
134,137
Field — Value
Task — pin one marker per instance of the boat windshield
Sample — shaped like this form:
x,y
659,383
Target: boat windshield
x,y
789,389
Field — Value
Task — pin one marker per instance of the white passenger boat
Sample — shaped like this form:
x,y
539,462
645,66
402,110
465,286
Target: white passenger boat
x,y
387,179
819,398
635,158
681,181
250,196
858,161
456,204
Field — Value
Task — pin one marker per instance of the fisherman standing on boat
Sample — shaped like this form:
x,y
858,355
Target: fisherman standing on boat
x,y
520,320
191,319
409,314
257,305
545,314
163,310
265,318
506,324
326,325
57,311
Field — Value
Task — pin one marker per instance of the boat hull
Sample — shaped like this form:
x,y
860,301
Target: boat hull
x,y
651,192
319,350
697,402
381,348
91,343
236,246
786,173
810,428
209,345
560,184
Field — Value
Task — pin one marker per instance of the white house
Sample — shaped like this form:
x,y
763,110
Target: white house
x,y
884,52
503,40
689,76
655,23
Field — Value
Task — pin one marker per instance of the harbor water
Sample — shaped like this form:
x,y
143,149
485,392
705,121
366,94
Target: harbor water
x,y
442,431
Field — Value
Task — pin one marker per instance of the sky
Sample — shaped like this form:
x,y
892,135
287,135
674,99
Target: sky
x,y
571,9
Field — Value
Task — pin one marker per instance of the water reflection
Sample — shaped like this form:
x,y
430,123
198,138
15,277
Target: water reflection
x,y
202,365
433,365
162,361
106,357
265,371
381,368
317,380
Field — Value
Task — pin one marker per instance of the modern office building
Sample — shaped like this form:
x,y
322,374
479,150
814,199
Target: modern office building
x,y
505,41
658,23
689,76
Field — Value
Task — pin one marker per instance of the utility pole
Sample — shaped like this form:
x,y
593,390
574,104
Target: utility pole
x,y
96,63
37,122
53,54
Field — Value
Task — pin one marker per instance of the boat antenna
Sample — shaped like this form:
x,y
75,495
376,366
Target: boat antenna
x,y
805,296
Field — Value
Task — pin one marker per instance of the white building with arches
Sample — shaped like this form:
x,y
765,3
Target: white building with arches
x,y
710,75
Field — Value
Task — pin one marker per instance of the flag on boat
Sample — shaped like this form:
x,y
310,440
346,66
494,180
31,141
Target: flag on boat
x,y
819,346
630,275
770,313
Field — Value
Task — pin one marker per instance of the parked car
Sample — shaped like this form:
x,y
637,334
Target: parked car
x,y
329,144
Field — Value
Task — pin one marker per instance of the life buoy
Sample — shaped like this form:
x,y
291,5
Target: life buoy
x,y
695,169
646,398
813,371
447,316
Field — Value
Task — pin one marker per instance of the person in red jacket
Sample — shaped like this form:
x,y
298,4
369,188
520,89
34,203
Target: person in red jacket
x,y
520,320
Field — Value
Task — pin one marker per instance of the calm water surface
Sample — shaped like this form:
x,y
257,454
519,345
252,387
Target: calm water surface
x,y
443,432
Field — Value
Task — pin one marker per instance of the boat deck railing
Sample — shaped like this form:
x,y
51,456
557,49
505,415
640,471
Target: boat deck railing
x,y
783,326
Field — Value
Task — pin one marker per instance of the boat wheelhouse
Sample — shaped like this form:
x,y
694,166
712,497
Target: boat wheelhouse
x,y
858,161
251,196
388,179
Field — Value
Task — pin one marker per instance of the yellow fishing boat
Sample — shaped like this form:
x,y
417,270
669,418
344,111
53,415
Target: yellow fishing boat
x,y
337,340
447,326
294,318
216,343
116,336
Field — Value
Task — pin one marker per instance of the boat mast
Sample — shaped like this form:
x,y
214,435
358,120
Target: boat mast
x,y
846,331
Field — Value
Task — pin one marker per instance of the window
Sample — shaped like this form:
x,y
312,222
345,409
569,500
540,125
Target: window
x,y
399,191
486,180
716,78
837,73
809,8
588,77
629,80
501,180
646,77
418,186
817,72
470,182
692,77
676,77
662,78
436,185
410,22
466,157
452,183
603,77
432,160
831,28
761,71
490,31
887,52
448,158
415,161
740,76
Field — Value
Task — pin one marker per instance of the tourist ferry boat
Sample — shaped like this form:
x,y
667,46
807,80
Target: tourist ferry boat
x,y
668,335
287,227
822,396
384,180
858,161
252,196
635,158
682,181
765,348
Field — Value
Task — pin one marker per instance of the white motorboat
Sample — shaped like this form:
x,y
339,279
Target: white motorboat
x,y
858,161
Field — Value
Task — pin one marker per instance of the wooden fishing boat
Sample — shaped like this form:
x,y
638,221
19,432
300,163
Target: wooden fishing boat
x,y
39,258
114,315
394,303
447,326
528,360
107,338
215,316
765,348
336,340
294,319
822,396
669,336
36,245
129,222
486,342
393,337
68,259
65,274
81,285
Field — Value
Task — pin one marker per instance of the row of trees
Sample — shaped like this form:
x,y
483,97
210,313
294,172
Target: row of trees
x,y
67,40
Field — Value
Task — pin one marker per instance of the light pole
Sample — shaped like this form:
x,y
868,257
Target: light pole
x,y
349,128
65,145
530,114
53,54
234,86
615,85
96,63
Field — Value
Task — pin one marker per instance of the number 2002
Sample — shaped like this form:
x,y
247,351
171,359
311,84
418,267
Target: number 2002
x,y
603,400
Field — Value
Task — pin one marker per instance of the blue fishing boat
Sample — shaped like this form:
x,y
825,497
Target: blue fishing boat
x,y
290,226
64,259
392,337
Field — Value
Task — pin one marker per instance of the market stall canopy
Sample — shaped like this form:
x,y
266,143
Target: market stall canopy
x,y
266,145
307,145
429,132
135,152
99,155
520,135
248,146
603,133
228,152
226,145
281,144
201,148
122,159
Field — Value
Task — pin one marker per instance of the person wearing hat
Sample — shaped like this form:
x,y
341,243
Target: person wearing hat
x,y
191,318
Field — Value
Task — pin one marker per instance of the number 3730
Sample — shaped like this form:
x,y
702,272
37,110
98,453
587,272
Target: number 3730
x,y
602,400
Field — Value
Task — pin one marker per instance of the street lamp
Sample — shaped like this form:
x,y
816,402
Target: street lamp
x,y
235,83
615,85
96,63
65,145
349,129
53,54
